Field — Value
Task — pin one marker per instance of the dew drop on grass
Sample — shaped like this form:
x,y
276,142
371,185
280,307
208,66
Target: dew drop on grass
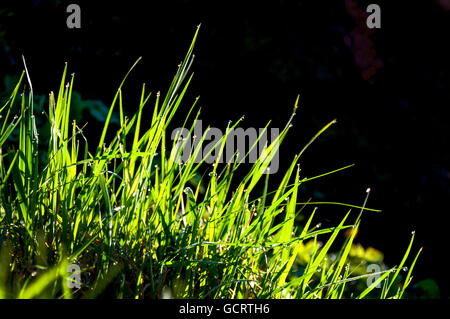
x,y
405,268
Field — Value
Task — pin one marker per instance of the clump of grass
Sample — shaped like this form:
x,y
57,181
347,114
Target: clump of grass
x,y
140,224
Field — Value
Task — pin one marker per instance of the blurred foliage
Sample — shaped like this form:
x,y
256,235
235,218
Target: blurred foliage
x,y
425,289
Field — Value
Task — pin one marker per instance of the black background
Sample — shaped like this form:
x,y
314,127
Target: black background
x,y
252,59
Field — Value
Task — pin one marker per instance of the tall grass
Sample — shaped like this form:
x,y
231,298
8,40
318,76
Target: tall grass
x,y
141,224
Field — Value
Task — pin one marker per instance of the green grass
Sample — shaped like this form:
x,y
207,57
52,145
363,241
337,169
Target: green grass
x,y
139,224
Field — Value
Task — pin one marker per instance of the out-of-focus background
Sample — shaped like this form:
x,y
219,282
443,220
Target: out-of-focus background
x,y
387,87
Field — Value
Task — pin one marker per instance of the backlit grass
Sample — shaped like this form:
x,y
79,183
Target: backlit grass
x,y
140,224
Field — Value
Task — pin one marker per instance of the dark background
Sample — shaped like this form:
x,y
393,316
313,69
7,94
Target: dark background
x,y
388,89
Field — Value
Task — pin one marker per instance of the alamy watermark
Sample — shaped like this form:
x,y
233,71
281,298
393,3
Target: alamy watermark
x,y
374,19
240,145
73,21
74,279
376,270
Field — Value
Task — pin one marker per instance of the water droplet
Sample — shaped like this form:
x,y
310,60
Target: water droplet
x,y
405,268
